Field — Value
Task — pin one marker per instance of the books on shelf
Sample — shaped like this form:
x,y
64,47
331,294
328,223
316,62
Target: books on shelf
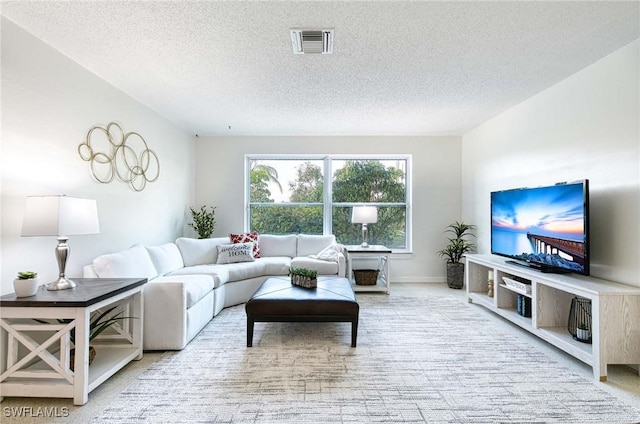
x,y
523,306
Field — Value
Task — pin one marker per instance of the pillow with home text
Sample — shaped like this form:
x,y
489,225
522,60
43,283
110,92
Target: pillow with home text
x,y
233,253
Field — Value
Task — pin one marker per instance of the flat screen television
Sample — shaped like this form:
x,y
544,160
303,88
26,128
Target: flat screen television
x,y
546,228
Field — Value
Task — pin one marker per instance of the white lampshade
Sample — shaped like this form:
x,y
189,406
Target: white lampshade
x,y
364,215
59,216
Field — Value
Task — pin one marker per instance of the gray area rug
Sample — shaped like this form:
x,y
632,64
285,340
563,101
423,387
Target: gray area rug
x,y
436,360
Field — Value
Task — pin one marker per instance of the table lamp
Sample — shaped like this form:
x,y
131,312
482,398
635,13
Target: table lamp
x,y
364,215
60,216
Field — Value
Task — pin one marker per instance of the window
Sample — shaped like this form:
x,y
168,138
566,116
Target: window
x,y
315,195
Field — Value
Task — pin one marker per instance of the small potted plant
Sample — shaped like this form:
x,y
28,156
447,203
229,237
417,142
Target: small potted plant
x,y
26,284
203,221
455,250
304,277
582,332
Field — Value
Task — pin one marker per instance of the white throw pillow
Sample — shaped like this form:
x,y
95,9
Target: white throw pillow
x,y
131,263
237,252
278,245
199,251
312,244
166,258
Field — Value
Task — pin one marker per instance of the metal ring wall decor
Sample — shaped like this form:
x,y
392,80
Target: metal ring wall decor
x,y
118,157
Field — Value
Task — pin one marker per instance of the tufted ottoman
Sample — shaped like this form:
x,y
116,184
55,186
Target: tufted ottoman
x,y
277,300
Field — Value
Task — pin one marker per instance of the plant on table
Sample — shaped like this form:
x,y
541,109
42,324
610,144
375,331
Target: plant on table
x,y
27,275
26,283
203,221
458,246
304,277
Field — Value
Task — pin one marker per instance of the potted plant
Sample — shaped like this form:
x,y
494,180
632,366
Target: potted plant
x,y
304,277
582,332
98,323
26,284
458,246
203,221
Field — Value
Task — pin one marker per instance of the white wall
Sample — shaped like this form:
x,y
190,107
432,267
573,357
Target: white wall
x,y
436,186
587,126
48,104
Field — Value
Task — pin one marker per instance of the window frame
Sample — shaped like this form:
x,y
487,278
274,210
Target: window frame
x,y
328,204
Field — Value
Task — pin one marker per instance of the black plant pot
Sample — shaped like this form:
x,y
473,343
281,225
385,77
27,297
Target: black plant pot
x,y
455,275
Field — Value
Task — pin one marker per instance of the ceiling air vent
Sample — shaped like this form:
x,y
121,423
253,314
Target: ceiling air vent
x,y
312,41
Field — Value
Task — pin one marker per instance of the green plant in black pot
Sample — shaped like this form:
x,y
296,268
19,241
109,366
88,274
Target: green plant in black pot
x,y
203,221
458,246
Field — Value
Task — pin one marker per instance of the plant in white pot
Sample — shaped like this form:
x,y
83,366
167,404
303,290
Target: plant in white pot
x,y
458,246
582,332
26,284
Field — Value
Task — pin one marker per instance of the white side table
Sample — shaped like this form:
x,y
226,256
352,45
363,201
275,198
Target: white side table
x,y
376,252
31,367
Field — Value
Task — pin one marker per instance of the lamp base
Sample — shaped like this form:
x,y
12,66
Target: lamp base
x,y
61,283
364,244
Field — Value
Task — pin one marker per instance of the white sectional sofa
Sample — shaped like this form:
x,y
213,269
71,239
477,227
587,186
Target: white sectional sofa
x,y
187,286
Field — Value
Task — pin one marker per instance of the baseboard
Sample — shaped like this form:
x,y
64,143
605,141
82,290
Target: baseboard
x,y
419,280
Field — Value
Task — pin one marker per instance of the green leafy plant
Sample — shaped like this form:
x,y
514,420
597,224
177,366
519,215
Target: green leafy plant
x,y
582,326
459,244
27,275
203,221
98,323
304,272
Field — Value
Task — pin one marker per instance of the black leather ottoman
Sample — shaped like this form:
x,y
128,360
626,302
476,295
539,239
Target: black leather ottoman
x,y
277,300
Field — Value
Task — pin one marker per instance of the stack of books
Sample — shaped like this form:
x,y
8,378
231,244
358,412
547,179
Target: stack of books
x,y
523,306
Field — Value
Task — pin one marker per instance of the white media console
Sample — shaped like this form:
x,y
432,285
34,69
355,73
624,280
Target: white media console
x,y
615,309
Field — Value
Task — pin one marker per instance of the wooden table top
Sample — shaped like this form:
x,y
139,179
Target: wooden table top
x,y
88,291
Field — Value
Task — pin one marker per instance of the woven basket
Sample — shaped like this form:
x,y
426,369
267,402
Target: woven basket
x,y
366,277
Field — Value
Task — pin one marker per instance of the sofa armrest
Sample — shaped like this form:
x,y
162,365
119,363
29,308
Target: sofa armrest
x,y
342,266
165,320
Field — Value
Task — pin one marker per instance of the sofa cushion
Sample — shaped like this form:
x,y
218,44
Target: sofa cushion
x,y
233,253
312,245
323,267
245,270
199,251
196,286
165,258
130,263
275,265
252,237
275,245
219,273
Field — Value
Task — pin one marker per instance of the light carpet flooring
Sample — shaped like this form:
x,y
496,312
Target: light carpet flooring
x,y
423,355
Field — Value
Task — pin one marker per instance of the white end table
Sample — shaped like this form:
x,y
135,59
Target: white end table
x,y
376,252
36,356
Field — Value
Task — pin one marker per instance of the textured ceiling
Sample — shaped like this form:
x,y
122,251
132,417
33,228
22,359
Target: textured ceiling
x,y
398,68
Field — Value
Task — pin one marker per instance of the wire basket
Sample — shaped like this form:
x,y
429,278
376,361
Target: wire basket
x,y
580,319
366,277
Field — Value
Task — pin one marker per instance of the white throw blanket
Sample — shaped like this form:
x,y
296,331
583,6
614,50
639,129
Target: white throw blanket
x,y
330,253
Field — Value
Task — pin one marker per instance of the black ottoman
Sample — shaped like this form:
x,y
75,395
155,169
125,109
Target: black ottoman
x,y
277,300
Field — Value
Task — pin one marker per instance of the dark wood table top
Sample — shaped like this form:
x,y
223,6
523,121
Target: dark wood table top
x,y
87,292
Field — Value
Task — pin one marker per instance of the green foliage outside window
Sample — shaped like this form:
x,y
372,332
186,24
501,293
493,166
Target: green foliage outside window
x,y
356,182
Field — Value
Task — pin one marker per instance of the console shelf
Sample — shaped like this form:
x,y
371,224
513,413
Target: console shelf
x,y
615,309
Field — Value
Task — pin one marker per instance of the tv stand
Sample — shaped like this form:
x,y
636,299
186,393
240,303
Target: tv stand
x,y
615,309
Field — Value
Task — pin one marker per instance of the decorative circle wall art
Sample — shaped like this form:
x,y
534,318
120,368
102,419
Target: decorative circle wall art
x,y
113,153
